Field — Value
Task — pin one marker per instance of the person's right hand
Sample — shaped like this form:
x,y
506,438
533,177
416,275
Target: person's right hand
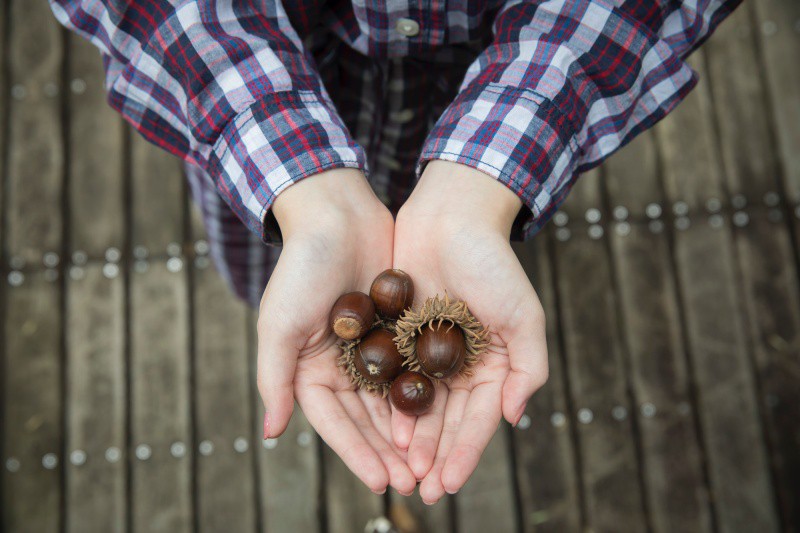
x,y
337,238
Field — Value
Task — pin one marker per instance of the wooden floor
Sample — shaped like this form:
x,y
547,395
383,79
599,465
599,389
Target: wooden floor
x,y
670,280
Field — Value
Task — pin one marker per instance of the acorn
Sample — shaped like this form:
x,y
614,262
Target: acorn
x,y
352,315
373,361
392,291
441,349
442,339
412,393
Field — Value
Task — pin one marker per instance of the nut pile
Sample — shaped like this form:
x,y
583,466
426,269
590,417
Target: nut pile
x,y
390,349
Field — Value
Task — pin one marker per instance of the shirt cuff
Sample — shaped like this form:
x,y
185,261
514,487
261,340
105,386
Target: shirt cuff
x,y
534,146
276,142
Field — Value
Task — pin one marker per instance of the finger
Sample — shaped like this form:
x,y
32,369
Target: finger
x,y
381,415
402,428
326,413
400,476
480,421
431,489
527,349
427,433
277,360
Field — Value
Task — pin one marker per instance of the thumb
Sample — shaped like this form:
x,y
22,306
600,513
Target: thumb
x,y
528,360
277,360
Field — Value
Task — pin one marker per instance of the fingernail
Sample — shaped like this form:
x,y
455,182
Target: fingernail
x,y
426,502
379,492
266,426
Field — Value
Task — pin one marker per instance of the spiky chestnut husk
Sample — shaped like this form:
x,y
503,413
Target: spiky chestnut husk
x,y
346,360
438,311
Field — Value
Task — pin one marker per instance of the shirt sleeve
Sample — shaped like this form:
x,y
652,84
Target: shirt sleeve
x,y
563,85
223,86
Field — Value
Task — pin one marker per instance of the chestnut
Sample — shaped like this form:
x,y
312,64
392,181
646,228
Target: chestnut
x,y
412,393
392,291
377,359
352,315
441,349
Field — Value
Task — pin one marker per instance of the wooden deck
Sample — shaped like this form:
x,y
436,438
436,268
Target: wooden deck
x,y
670,280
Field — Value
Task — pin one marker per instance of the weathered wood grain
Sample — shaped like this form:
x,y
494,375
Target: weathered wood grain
x,y
36,151
771,290
547,478
97,217
160,400
764,245
486,501
672,456
350,504
779,46
32,397
409,514
223,407
596,370
157,187
718,344
96,489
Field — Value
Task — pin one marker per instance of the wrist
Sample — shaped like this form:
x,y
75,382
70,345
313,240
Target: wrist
x,y
454,194
337,199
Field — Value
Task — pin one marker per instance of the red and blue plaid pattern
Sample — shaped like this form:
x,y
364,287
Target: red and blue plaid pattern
x,y
256,95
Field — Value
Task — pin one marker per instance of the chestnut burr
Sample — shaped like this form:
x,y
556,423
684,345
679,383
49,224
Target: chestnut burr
x,y
352,315
392,291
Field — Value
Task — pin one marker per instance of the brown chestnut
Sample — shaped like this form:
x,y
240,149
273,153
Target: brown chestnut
x,y
412,393
377,358
441,349
392,291
352,315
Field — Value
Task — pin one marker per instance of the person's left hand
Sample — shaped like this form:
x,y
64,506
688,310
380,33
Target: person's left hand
x,y
453,235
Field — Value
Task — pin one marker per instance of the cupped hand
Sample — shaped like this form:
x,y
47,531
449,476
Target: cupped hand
x,y
453,235
337,239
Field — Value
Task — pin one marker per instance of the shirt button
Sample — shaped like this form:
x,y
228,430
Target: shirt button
x,y
407,27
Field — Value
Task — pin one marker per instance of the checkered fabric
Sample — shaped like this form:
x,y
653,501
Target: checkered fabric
x,y
256,95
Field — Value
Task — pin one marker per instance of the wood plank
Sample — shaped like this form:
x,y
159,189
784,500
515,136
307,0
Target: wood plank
x,y
4,101
225,478
729,415
32,393
764,245
350,504
596,370
96,481
96,488
289,474
486,501
161,482
549,491
96,184
771,290
157,185
672,455
779,46
409,514
36,152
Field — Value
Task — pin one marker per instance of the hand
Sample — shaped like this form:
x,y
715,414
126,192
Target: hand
x,y
337,238
453,235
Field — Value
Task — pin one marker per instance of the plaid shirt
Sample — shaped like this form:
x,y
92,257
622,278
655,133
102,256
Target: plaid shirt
x,y
255,95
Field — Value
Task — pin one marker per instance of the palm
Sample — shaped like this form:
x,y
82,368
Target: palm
x,y
445,444
296,342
